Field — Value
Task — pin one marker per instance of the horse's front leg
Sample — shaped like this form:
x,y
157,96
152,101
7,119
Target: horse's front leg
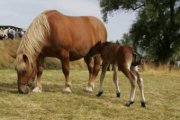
x,y
38,84
65,68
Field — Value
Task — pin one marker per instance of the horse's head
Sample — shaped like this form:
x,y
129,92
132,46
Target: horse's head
x,y
26,72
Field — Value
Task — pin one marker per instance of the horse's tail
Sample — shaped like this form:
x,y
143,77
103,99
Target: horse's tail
x,y
137,59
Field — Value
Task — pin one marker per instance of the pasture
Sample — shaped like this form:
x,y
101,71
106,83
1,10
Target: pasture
x,y
162,90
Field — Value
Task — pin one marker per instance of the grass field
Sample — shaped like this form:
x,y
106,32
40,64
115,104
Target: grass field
x,y
162,91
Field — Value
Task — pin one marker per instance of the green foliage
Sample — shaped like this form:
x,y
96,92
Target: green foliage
x,y
157,28
127,40
109,6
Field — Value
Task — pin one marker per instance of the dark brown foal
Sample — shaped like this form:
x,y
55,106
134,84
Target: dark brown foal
x,y
122,58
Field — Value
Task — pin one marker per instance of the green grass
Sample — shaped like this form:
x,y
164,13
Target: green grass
x,y
162,91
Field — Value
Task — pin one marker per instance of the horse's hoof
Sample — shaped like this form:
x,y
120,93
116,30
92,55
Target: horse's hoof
x,y
37,90
88,89
118,94
128,104
67,90
99,94
143,104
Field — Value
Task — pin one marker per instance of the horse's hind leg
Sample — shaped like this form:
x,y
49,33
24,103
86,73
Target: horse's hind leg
x,y
93,71
133,79
38,86
115,80
89,63
141,87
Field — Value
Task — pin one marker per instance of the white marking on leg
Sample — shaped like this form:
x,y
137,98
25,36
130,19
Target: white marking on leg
x,y
67,90
115,79
128,65
141,87
101,82
132,96
88,88
37,89
104,68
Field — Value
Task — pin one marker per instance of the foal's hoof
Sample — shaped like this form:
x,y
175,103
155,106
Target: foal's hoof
x,y
118,94
143,104
37,89
99,94
128,104
88,89
67,90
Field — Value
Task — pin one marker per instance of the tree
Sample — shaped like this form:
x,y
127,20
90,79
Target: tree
x,y
157,28
127,40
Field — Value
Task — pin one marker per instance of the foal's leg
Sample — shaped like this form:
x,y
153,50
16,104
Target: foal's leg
x,y
104,68
38,87
115,80
65,68
133,79
141,87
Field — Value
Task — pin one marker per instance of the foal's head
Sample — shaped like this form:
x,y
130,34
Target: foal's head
x,y
26,72
98,48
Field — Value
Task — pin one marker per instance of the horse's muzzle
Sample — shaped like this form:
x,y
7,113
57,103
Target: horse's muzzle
x,y
24,89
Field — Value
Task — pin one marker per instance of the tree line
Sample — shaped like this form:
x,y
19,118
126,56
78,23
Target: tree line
x,y
156,30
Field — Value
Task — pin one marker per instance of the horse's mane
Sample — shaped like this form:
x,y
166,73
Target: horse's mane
x,y
34,39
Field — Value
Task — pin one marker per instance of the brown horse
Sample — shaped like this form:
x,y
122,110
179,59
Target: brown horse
x,y
68,38
122,58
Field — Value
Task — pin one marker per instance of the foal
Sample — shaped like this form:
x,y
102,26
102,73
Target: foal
x,y
122,58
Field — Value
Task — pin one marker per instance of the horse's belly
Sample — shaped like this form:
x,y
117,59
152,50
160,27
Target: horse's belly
x,y
75,56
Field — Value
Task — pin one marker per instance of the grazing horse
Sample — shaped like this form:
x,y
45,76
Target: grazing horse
x,y
65,37
122,58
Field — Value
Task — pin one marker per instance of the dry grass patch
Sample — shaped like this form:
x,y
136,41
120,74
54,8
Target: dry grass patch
x,y
161,91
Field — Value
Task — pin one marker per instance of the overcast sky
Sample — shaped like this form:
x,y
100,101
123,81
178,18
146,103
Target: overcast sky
x,y
21,13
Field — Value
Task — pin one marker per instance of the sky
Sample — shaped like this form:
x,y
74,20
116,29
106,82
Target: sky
x,y
21,13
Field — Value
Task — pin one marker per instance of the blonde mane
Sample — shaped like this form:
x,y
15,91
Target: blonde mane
x,y
34,39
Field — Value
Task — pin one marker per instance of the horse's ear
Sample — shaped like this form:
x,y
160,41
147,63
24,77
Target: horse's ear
x,y
25,58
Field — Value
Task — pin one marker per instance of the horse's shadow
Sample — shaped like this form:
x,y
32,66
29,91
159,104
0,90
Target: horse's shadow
x,y
47,88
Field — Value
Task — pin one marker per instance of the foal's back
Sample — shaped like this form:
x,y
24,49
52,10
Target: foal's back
x,y
110,52
113,53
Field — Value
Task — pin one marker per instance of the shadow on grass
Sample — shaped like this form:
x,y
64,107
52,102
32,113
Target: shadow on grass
x,y
54,88
9,87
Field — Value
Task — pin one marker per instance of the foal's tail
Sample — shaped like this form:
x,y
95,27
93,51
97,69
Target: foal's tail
x,y
137,59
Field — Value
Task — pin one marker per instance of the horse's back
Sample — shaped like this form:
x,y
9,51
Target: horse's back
x,y
85,27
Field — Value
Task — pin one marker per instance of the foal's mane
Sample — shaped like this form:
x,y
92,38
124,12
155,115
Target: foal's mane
x,y
34,39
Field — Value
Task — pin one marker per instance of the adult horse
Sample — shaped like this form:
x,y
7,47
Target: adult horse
x,y
56,35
